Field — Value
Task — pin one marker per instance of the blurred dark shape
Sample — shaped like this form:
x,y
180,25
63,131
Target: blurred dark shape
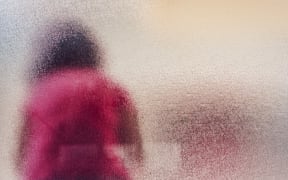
x,y
65,44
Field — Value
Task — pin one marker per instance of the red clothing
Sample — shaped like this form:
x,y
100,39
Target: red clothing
x,y
73,116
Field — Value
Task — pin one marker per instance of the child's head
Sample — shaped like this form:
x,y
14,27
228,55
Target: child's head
x,y
65,44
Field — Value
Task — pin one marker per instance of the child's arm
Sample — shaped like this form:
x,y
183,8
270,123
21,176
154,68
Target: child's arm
x,y
23,140
129,131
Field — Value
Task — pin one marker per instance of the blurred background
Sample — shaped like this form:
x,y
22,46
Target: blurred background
x,y
209,79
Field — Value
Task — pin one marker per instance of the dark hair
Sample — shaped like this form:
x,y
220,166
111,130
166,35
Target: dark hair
x,y
65,45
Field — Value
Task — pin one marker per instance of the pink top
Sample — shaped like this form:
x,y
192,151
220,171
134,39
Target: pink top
x,y
73,116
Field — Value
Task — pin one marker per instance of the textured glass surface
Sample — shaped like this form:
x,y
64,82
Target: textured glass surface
x,y
209,79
